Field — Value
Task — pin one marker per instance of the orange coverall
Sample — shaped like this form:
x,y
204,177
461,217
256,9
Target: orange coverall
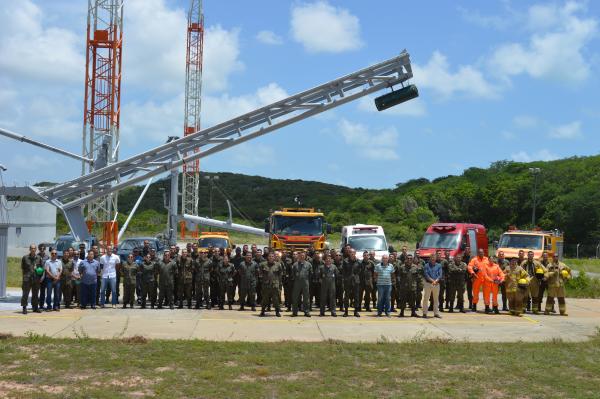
x,y
479,276
493,276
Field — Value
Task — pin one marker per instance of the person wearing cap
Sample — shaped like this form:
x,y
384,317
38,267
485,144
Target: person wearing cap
x,y
328,271
537,276
420,265
248,271
42,258
33,274
129,270
66,280
516,281
366,282
557,275
457,278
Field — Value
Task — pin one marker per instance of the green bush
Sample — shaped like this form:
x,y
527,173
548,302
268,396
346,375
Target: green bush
x,y
583,286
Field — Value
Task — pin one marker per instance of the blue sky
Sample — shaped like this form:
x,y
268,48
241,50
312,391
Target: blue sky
x,y
498,80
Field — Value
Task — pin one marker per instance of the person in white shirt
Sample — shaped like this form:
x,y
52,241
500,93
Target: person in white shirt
x,y
53,268
108,265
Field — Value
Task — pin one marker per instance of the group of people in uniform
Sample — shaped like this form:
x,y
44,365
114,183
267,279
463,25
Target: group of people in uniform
x,y
327,281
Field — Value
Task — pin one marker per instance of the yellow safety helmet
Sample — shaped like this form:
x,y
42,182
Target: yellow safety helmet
x,y
539,270
564,273
523,282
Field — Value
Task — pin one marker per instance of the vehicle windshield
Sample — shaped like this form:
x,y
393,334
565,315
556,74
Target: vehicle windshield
x,y
440,240
368,243
215,242
298,225
131,244
65,243
524,241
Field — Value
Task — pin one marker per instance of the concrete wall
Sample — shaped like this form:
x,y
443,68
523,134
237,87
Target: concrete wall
x,y
30,222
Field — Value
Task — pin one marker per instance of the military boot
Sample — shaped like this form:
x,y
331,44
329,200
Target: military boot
x,y
462,309
253,308
230,307
172,307
356,314
487,309
345,312
262,313
277,312
401,314
241,309
124,306
24,309
37,310
474,307
189,304
496,311
451,309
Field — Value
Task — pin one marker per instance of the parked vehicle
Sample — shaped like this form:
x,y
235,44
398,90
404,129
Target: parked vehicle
x,y
364,237
297,229
67,241
537,241
129,244
454,237
215,239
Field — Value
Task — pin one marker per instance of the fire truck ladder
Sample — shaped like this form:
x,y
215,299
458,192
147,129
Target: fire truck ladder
x,y
71,196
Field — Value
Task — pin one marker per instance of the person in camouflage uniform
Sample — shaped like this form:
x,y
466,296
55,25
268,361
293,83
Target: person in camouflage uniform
x,y
504,266
167,273
374,291
185,275
557,274
406,284
66,281
315,282
31,280
288,279
328,272
129,271
248,271
394,298
215,289
444,286
350,272
203,265
467,258
226,273
237,261
366,281
457,278
302,271
420,264
339,281
537,273
271,272
149,273
516,291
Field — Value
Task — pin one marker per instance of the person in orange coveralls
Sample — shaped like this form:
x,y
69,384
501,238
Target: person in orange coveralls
x,y
493,277
476,270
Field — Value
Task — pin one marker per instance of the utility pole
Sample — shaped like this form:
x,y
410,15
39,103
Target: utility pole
x,y
535,172
211,180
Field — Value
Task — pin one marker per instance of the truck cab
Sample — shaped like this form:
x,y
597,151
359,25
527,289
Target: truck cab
x,y
363,237
538,241
297,229
214,239
455,237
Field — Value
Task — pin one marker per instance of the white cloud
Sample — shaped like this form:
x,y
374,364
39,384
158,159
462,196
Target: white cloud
x,y
28,50
415,107
541,155
567,131
269,37
467,80
555,49
156,52
525,121
320,27
376,146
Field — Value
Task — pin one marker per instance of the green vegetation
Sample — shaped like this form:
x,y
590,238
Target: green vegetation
x,y
583,286
498,196
14,277
172,369
584,265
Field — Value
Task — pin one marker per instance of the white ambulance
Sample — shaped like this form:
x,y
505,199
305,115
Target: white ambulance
x,y
365,237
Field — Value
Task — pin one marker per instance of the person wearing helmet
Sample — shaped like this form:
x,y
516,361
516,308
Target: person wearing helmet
x,y
493,277
516,281
476,270
556,275
537,273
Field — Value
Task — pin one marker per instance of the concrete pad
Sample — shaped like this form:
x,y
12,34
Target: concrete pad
x,y
225,325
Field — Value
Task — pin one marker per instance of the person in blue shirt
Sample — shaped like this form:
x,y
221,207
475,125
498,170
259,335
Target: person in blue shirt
x,y
383,277
139,259
89,268
433,274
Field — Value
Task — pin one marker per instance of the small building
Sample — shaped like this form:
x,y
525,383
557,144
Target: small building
x,y
28,222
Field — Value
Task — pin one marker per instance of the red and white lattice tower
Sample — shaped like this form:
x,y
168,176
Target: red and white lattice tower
x,y
102,96
193,89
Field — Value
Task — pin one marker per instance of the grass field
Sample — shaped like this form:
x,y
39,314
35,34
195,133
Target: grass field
x,y
41,367
584,265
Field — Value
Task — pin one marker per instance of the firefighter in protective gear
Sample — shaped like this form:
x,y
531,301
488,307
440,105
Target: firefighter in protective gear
x,y
537,275
516,281
493,277
476,269
556,275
